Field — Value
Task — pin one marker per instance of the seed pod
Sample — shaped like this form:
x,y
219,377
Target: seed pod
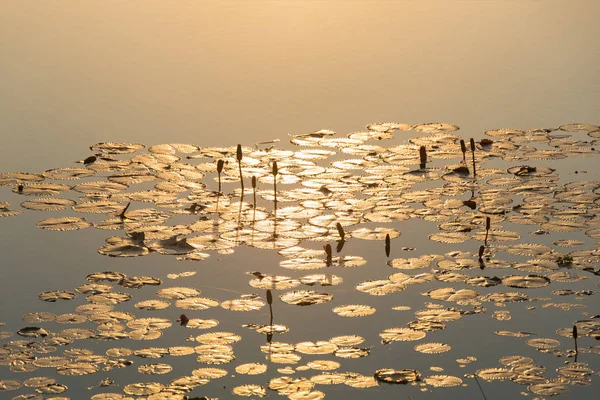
x,y
253,182
269,297
423,155
487,223
239,152
574,332
220,164
387,245
328,250
463,147
472,143
274,168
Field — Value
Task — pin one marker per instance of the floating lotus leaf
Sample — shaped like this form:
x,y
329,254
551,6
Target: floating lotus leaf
x,y
393,376
321,279
76,369
305,297
379,287
71,318
548,389
247,303
6,212
149,323
374,234
108,298
152,305
438,315
401,335
323,365
354,310
178,293
218,338
543,343
509,297
123,247
443,381
37,317
432,348
352,352
16,178
196,303
116,147
529,281
250,390
450,294
55,295
64,224
319,347
41,189
155,369
575,371
210,373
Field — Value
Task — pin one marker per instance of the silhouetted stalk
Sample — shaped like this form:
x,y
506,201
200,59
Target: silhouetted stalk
x,y
472,143
575,338
423,157
480,388
387,245
463,148
239,156
487,229
254,191
122,215
220,164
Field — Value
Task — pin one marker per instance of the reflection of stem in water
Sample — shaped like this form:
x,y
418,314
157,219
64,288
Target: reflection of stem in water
x,y
575,338
487,229
275,184
239,221
328,254
270,302
481,263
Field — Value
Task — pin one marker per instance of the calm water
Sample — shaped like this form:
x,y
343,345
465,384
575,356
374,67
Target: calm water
x,y
218,74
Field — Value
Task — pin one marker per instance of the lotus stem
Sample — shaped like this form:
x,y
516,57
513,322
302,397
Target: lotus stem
x,y
239,157
472,143
423,156
220,164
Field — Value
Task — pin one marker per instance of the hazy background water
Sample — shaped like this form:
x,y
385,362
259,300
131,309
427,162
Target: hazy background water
x,y
219,73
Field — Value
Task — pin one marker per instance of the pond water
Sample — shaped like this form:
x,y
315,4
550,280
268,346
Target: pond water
x,y
93,288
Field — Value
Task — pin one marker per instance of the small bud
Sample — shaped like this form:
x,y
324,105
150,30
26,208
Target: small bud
x,y
239,152
472,143
274,168
220,164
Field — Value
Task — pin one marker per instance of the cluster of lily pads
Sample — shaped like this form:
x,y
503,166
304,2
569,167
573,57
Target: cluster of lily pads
x,y
329,189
